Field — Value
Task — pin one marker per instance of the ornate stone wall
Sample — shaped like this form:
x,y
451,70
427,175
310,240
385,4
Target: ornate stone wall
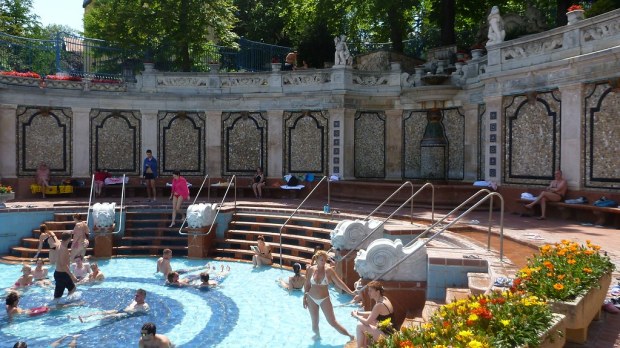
x,y
415,162
115,141
306,142
602,135
482,136
181,143
532,137
369,148
44,134
244,143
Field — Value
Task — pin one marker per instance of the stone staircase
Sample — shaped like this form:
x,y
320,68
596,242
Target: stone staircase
x,y
147,233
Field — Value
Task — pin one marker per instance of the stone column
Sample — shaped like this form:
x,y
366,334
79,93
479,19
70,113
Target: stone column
x,y
570,134
8,160
393,144
275,144
214,144
337,156
470,150
494,150
81,143
150,135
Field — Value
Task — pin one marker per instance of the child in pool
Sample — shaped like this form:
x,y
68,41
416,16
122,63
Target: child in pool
x,y
26,278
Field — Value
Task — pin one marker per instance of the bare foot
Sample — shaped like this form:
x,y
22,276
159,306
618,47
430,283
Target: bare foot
x,y
316,337
529,206
540,218
171,224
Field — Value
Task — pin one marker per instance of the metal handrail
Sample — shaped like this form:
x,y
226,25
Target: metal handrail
x,y
120,223
194,202
394,212
490,196
390,197
324,178
233,181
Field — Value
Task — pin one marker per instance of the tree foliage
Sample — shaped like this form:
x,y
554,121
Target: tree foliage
x,y
16,18
184,27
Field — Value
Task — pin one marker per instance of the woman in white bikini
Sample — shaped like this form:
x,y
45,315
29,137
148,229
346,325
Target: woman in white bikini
x,y
52,241
316,293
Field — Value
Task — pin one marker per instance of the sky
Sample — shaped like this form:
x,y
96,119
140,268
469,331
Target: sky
x,y
65,12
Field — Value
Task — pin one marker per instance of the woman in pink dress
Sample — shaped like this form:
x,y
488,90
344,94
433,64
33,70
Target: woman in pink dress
x,y
43,177
178,194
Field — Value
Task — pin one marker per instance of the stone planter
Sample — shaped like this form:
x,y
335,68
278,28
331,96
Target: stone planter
x,y
6,197
582,310
574,16
276,66
214,68
477,53
551,338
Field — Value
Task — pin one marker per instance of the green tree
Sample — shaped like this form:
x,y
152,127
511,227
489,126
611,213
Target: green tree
x,y
260,20
182,27
16,18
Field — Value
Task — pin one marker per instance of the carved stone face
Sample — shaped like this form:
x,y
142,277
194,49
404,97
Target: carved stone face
x,y
103,214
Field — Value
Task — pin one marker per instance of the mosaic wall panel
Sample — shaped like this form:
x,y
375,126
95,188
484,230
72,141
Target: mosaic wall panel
x,y
44,134
454,124
244,143
115,141
482,136
414,125
602,136
306,142
369,148
532,137
181,144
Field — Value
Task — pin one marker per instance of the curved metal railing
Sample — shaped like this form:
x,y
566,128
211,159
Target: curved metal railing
x,y
489,196
233,183
194,202
324,178
410,199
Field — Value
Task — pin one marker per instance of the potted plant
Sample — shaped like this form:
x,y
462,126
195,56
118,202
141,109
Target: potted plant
x,y
574,14
477,50
6,194
499,319
574,278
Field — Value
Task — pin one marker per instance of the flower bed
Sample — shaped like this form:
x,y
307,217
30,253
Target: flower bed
x,y
29,74
500,319
63,78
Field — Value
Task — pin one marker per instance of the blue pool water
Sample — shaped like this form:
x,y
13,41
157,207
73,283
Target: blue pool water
x,y
249,309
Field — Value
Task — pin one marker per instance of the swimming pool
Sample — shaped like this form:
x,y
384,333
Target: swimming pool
x,y
249,309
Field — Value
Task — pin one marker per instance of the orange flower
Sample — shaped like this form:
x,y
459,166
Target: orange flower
x,y
571,261
587,270
558,286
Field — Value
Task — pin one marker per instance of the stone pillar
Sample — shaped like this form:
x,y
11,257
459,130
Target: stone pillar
x,y
570,134
494,150
214,144
470,149
150,134
348,145
81,143
345,268
104,243
275,144
198,245
393,144
336,138
8,143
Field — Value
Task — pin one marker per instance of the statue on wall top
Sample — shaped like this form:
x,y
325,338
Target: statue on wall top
x,y
342,55
496,27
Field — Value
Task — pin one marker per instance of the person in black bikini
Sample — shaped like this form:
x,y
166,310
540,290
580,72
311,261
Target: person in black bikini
x,y
369,321
259,183
51,240
555,192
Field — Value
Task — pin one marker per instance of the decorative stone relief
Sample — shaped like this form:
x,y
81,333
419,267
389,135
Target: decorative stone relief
x,y
182,81
533,48
532,137
44,134
383,253
348,233
244,143
369,148
369,79
201,215
306,79
482,140
600,30
243,81
342,56
454,125
115,141
414,123
306,142
602,135
104,215
181,144
375,61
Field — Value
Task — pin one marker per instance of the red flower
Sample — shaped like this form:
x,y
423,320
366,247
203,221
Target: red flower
x,y
575,8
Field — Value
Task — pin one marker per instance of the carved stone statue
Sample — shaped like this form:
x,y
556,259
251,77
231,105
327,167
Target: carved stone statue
x,y
496,27
382,254
103,215
342,55
200,215
349,233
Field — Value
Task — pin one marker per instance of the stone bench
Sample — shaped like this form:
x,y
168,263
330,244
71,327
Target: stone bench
x,y
603,215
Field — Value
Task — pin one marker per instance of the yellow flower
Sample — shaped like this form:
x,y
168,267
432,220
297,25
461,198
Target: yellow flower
x,y
474,344
472,317
505,322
